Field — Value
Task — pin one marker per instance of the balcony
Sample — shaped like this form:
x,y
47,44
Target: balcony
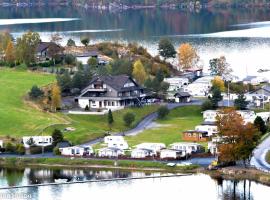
x,y
97,89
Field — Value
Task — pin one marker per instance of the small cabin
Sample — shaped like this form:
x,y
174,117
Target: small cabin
x,y
142,153
37,141
110,152
171,154
156,147
195,136
120,145
79,150
187,147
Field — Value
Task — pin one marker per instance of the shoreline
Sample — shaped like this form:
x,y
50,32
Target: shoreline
x,y
226,173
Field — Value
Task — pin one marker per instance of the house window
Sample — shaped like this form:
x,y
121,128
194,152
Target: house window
x,y
113,103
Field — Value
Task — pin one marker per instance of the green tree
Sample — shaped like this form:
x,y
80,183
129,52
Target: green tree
x,y
220,67
207,105
92,63
216,96
128,119
260,124
71,43
26,47
166,49
162,112
240,103
9,147
70,60
139,72
85,41
57,136
64,81
36,92
110,119
20,149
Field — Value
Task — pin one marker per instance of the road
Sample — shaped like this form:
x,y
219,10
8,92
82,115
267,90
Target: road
x,y
258,159
146,122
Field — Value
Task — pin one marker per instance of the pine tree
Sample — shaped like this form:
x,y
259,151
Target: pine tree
x,y
110,119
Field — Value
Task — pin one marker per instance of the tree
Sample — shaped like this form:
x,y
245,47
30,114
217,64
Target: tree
x,y
110,119
57,137
216,96
188,56
129,118
85,41
240,103
70,59
53,51
220,67
139,72
166,49
20,149
162,112
92,63
10,52
79,80
207,105
5,38
71,43
56,97
219,83
26,47
260,124
56,38
64,82
238,139
35,92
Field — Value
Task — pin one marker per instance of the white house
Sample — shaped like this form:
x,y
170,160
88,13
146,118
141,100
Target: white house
x,y
264,115
171,154
212,145
210,129
200,87
116,141
176,83
79,150
1,144
156,147
210,115
110,152
37,140
187,147
255,80
142,153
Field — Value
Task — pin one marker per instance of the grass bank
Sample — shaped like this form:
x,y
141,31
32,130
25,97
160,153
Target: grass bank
x,y
87,163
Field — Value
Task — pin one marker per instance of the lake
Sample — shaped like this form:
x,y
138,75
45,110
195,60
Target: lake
x,y
197,186
243,36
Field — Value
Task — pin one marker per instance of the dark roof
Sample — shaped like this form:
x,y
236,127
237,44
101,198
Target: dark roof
x,y
63,144
45,45
209,123
249,78
117,82
265,87
182,94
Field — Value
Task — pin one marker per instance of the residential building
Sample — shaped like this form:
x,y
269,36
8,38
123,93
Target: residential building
x,y
200,87
155,147
171,154
255,80
80,150
195,136
182,97
259,96
142,153
210,129
120,145
43,50
111,92
110,152
210,115
213,145
37,141
176,83
113,138
187,147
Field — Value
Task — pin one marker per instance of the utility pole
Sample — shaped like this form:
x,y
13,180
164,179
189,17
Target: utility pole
x,y
228,94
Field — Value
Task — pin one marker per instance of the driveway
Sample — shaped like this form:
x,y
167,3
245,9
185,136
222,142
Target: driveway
x,y
258,159
146,122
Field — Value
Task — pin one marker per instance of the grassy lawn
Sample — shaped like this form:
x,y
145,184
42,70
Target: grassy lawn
x,y
92,126
170,129
16,117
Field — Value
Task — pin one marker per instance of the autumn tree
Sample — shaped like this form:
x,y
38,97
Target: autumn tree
x,y
219,83
10,53
238,139
26,47
220,67
139,72
56,97
188,56
5,38
166,48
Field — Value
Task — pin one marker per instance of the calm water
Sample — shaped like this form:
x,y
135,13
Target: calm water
x,y
186,187
243,36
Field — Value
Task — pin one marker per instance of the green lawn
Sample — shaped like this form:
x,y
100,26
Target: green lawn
x,y
16,117
92,126
170,129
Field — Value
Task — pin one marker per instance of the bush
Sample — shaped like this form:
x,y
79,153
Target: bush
x,y
129,118
38,149
20,149
207,105
86,108
57,136
162,112
9,147
56,151
36,92
22,67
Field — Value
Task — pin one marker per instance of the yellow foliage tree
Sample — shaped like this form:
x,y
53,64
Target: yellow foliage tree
x,y
188,56
219,83
56,97
139,72
10,52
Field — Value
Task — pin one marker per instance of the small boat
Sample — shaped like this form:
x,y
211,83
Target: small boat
x,y
60,180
